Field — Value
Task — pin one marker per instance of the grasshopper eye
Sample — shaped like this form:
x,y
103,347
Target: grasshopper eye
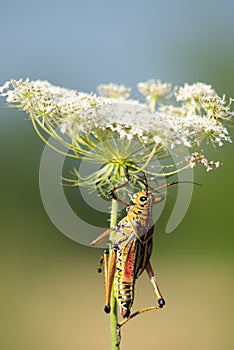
x,y
143,198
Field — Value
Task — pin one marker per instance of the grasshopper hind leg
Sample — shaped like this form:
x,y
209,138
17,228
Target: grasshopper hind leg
x,y
149,270
104,261
160,302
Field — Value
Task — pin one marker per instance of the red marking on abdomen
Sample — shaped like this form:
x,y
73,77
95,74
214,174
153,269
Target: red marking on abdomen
x,y
128,271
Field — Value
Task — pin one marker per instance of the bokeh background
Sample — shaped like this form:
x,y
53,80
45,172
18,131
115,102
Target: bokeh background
x,y
51,296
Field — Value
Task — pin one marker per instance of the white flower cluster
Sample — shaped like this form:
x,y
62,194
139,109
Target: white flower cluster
x,y
194,92
195,115
216,107
201,99
197,158
154,89
114,91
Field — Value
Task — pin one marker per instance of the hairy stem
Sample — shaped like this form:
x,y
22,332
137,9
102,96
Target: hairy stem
x,y
113,302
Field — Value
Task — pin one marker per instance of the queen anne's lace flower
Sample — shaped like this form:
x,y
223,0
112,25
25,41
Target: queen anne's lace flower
x,y
197,158
215,107
143,133
114,91
154,89
194,92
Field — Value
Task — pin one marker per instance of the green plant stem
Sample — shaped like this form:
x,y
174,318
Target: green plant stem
x,y
113,302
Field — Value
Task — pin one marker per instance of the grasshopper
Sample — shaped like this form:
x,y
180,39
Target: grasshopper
x,y
131,251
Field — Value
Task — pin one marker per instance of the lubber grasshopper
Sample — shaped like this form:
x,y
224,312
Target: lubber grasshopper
x,y
131,250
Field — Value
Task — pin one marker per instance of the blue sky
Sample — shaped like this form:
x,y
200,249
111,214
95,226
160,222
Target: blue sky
x,y
80,44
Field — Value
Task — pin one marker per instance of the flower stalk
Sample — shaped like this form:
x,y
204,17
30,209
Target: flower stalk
x,y
113,302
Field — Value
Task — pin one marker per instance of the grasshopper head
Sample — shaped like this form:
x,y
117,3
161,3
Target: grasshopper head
x,y
141,198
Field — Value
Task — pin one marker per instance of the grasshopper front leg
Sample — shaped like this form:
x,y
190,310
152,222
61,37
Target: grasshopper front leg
x,y
100,239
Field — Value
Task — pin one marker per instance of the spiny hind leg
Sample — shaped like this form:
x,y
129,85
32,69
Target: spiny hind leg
x,y
149,270
105,260
110,265
161,301
151,308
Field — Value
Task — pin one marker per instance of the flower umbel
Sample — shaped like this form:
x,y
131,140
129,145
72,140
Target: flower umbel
x,y
117,134
154,90
197,158
114,91
115,131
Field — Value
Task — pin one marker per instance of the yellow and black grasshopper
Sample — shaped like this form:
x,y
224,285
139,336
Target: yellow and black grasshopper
x,y
131,250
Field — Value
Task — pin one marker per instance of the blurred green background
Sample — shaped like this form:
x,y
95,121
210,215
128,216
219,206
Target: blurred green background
x,y
51,296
